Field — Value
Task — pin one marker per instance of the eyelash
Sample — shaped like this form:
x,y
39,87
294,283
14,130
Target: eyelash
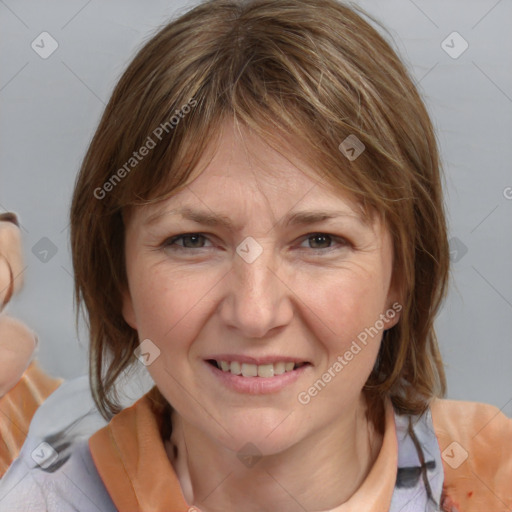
x,y
169,243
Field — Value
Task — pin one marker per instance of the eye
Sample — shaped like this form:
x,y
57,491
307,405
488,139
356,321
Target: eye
x,y
318,242
322,241
190,241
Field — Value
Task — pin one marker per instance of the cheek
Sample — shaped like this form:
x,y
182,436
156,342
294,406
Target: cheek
x,y
168,303
343,312
344,304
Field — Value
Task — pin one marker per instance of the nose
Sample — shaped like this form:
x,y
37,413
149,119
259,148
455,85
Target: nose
x,y
257,298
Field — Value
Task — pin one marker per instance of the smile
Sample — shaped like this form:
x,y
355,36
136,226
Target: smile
x,y
251,378
256,370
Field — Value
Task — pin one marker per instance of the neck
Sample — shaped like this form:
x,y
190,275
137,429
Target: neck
x,y
321,472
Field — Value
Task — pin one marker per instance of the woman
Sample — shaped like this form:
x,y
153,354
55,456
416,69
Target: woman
x,y
259,221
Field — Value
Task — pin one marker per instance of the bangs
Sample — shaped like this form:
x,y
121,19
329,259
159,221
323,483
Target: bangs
x,y
273,80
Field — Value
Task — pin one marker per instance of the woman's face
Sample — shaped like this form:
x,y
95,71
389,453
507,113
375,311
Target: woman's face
x,y
257,288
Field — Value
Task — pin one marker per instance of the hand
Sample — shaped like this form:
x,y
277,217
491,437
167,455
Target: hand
x,y
11,258
17,341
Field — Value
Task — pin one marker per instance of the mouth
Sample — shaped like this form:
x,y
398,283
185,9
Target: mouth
x,y
249,370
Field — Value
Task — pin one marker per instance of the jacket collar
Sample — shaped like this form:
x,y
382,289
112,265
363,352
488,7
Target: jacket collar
x,y
131,459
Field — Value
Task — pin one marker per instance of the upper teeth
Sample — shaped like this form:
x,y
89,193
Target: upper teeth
x,y
256,370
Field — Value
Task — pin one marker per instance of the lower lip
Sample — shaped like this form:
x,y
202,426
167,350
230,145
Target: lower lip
x,y
257,385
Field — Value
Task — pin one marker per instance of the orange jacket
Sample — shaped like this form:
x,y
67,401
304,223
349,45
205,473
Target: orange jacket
x,y
17,408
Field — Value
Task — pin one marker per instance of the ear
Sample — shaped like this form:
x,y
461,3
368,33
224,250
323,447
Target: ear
x,y
128,310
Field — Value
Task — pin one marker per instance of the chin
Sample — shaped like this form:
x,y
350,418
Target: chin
x,y
267,432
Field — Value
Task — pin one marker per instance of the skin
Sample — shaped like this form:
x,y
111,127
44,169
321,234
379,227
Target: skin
x,y
17,341
10,256
303,297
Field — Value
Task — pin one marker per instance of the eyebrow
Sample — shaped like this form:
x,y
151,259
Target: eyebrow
x,y
292,219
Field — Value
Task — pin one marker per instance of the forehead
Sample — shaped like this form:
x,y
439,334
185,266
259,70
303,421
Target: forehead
x,y
241,173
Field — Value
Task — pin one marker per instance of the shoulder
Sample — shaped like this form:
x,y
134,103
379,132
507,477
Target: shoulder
x,y
478,427
475,440
458,414
54,470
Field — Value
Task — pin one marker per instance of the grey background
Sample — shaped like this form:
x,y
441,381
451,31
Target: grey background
x,y
50,109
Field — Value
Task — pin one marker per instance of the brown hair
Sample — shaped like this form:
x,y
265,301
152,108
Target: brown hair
x,y
314,70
